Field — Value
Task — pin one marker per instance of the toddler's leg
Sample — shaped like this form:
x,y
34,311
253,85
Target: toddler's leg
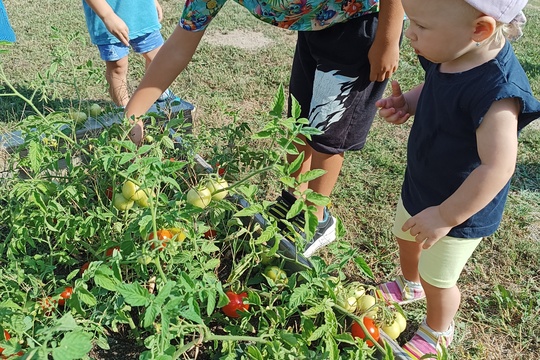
x,y
116,75
442,306
409,256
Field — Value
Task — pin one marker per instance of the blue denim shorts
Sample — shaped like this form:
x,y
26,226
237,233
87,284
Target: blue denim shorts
x,y
141,45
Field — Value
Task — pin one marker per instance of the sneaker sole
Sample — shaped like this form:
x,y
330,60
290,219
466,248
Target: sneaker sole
x,y
329,237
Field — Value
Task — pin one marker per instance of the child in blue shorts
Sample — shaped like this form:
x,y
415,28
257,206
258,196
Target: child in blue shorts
x,y
461,152
6,32
115,26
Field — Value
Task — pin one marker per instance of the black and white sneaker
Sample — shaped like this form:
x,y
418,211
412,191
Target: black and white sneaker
x,y
279,211
324,235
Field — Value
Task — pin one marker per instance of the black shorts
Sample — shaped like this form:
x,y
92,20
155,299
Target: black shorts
x,y
330,79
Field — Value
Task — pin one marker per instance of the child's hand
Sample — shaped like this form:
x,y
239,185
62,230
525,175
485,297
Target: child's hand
x,y
117,27
136,133
427,227
394,108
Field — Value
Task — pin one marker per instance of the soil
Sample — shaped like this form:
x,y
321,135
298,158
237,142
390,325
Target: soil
x,y
121,348
242,39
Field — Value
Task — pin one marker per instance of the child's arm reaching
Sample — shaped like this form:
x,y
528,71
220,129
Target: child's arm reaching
x,y
399,107
497,145
113,22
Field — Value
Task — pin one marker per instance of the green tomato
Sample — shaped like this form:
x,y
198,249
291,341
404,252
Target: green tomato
x,y
348,304
365,303
392,330
144,259
94,110
215,187
121,203
132,191
199,197
400,319
277,275
356,289
78,116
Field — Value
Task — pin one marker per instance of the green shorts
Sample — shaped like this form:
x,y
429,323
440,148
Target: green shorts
x,y
440,265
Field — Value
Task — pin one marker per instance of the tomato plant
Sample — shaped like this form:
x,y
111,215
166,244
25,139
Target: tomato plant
x,y
163,237
372,329
64,295
236,304
199,196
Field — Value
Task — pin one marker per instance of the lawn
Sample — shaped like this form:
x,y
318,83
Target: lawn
x,y
235,82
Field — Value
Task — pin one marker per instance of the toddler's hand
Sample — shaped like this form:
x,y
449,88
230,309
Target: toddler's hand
x,y
394,108
427,227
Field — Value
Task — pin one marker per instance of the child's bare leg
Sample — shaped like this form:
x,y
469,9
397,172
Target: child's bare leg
x,y
149,57
409,256
324,185
442,306
313,159
116,75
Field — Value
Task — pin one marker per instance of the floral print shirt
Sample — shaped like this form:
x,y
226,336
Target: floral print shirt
x,y
299,15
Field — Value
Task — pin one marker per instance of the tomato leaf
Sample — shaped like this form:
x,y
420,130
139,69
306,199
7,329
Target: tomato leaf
x,y
164,292
86,296
296,164
74,345
150,314
296,209
210,300
134,294
104,278
167,142
363,266
278,103
310,175
319,333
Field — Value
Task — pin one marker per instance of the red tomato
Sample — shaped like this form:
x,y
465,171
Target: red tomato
x,y
84,267
220,170
6,337
236,303
66,294
110,251
210,234
163,237
373,330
